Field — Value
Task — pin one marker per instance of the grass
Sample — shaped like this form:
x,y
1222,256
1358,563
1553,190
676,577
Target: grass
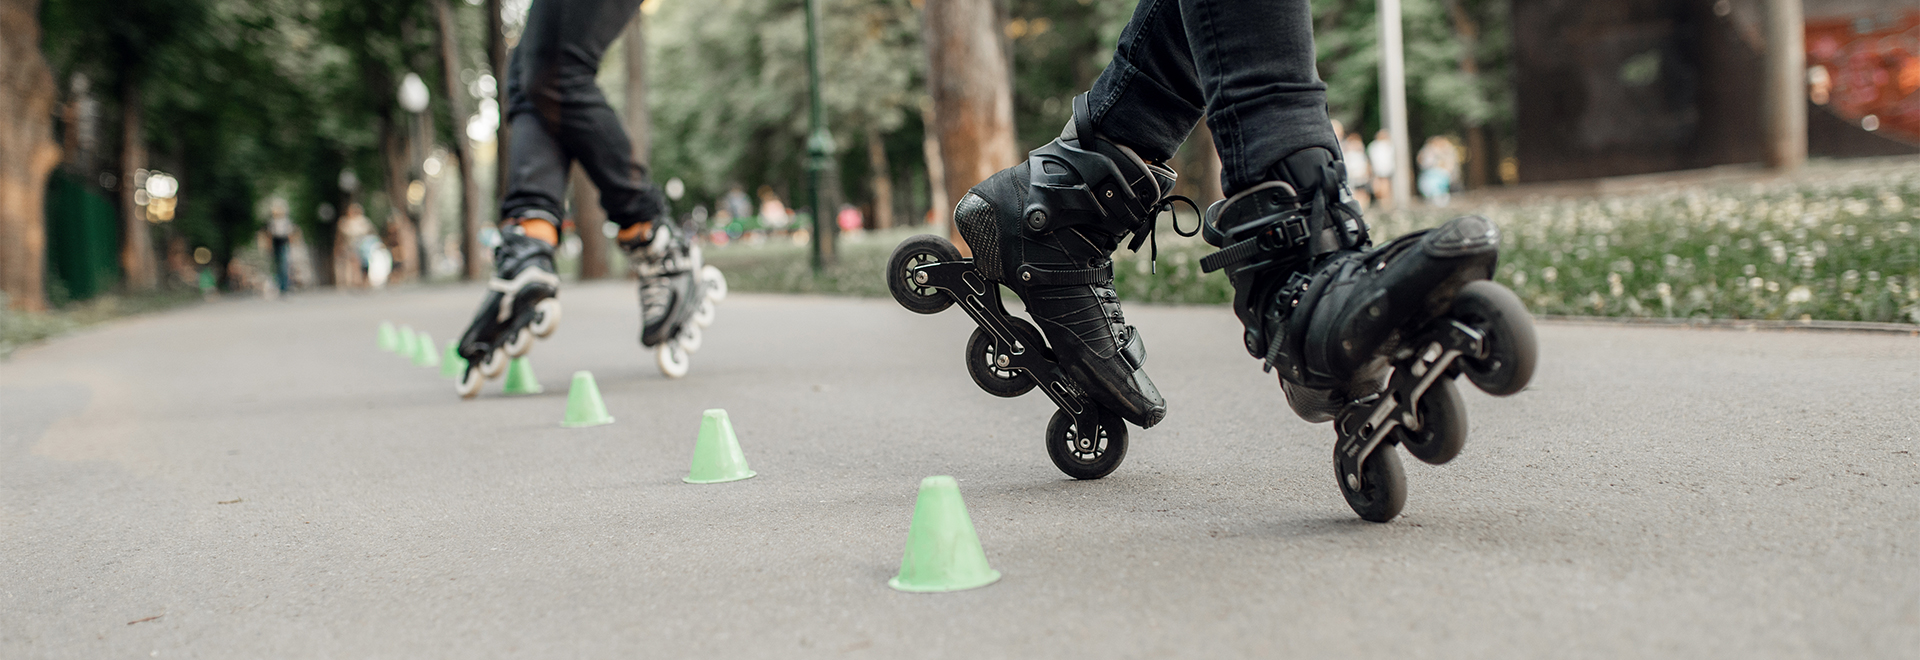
x,y
1839,244
18,329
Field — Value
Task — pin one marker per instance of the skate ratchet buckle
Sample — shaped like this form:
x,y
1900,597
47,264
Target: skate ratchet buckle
x,y
1006,355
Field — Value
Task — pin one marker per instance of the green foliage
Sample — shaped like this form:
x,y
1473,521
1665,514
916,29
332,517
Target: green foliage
x,y
728,85
1441,95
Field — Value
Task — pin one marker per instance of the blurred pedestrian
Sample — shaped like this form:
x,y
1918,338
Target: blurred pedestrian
x,y
1353,152
1438,160
280,228
1380,156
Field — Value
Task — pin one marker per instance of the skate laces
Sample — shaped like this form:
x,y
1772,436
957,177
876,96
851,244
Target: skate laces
x,y
1151,235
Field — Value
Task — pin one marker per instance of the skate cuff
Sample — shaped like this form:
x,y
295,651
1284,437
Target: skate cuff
x,y
1031,275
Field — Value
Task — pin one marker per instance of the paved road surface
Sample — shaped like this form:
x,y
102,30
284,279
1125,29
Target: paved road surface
x,y
254,479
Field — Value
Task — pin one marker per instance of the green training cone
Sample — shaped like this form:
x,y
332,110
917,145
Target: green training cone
x,y
389,340
423,355
584,407
943,552
520,378
406,345
451,364
716,456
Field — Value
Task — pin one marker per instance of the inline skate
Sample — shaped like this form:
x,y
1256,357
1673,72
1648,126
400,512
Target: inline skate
x,y
1047,229
678,292
1368,338
522,304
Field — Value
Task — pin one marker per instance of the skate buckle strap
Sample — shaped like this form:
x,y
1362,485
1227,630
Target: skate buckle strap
x,y
1042,276
519,282
1291,231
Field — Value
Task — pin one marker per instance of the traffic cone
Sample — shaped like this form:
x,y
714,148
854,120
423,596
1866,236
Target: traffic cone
x,y
405,347
389,341
451,364
423,355
716,456
520,378
584,406
943,552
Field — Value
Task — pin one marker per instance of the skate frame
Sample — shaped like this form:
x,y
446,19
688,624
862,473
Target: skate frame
x,y
1370,419
981,299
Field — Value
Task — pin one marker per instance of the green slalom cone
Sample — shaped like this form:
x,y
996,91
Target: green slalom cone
x,y
451,364
423,355
389,340
520,378
584,407
406,346
716,456
943,552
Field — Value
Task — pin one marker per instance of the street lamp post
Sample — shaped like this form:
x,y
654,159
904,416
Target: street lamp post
x,y
819,143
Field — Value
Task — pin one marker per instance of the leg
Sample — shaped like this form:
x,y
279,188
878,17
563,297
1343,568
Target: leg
x,y
551,85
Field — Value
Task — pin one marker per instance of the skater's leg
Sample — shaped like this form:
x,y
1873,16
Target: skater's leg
x,y
1264,99
557,59
1149,97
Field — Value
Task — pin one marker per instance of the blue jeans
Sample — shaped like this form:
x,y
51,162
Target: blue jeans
x,y
559,116
1248,66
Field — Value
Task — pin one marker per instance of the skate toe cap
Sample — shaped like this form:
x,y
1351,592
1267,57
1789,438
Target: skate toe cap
x,y
1462,236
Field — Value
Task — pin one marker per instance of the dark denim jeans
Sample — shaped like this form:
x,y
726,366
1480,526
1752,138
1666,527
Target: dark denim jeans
x,y
1247,65
558,115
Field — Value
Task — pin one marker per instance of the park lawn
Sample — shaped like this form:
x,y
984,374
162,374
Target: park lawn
x,y
1840,245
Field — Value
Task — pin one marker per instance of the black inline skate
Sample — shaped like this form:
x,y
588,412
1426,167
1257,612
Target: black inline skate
x,y
1046,229
521,304
677,295
1369,338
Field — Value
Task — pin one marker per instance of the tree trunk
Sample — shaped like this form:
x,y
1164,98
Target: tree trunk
x,y
403,237
882,179
939,211
1478,159
27,155
469,215
972,96
497,58
136,246
638,123
589,221
1200,176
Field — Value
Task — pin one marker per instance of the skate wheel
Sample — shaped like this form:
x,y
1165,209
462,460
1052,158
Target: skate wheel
x,y
546,318
703,315
521,342
495,363
1086,456
470,382
715,283
983,356
1443,424
689,338
1512,349
672,359
1382,489
914,252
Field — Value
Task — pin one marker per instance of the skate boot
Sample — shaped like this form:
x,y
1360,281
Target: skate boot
x,y
1370,338
521,304
1047,229
677,295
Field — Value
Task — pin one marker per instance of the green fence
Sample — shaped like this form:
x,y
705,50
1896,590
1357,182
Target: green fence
x,y
83,240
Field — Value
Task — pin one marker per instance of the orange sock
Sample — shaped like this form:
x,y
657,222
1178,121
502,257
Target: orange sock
x,y
541,229
635,232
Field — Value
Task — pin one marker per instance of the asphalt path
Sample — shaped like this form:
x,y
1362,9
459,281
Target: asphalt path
x,y
252,479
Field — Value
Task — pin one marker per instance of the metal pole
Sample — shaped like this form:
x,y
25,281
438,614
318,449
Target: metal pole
x,y
1786,86
1393,90
819,141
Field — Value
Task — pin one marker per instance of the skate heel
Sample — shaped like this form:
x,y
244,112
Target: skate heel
x,y
1007,356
